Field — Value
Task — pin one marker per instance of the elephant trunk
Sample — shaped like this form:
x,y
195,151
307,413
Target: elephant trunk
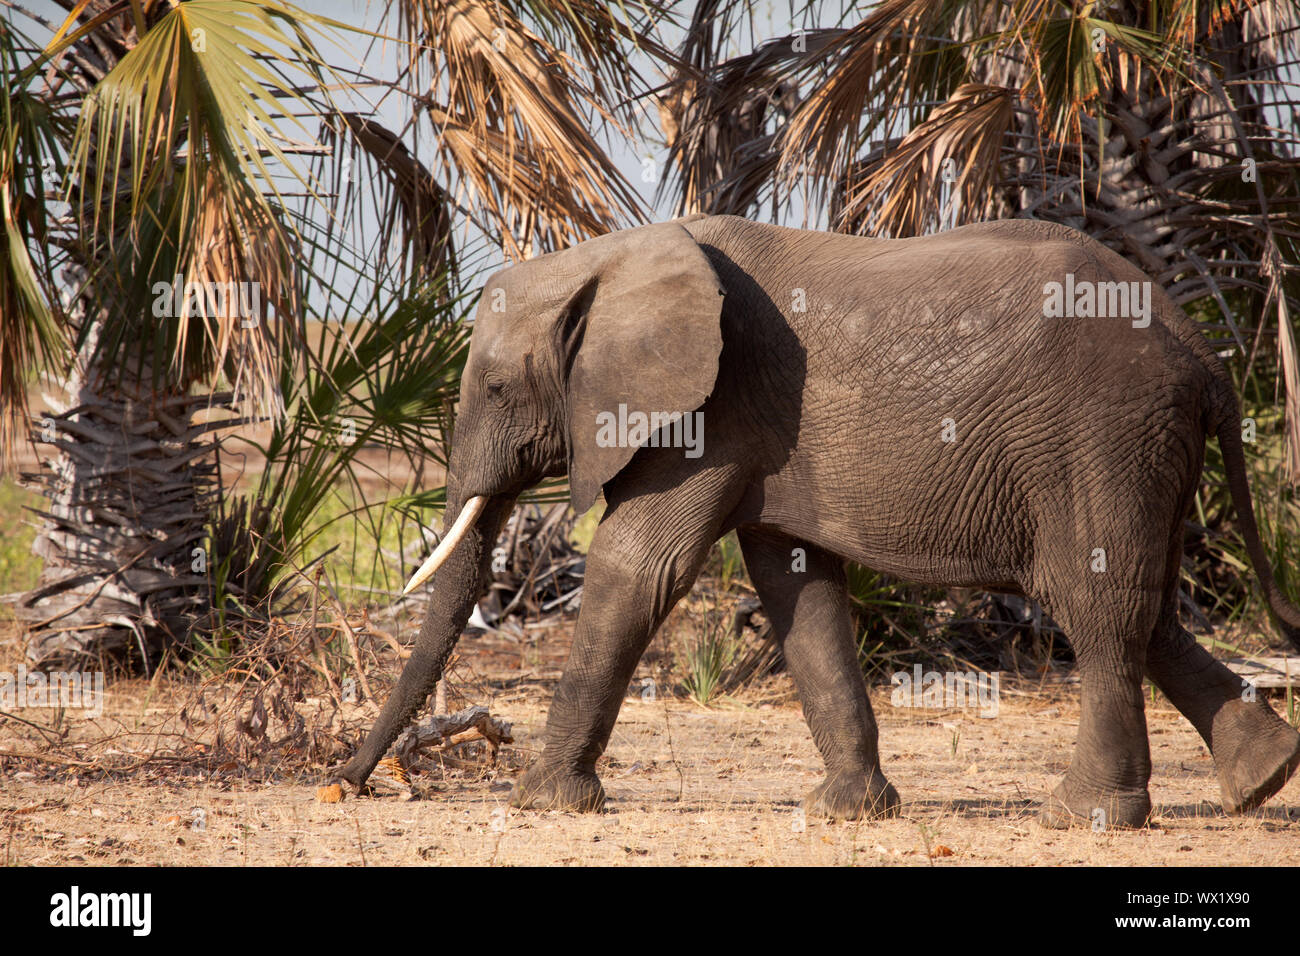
x,y
457,585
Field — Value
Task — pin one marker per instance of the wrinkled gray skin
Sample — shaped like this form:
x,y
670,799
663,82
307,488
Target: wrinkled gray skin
x,y
823,432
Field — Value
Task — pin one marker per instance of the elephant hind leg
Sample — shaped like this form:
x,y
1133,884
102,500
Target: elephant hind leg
x,y
1108,618
1107,780
807,602
1108,562
1255,751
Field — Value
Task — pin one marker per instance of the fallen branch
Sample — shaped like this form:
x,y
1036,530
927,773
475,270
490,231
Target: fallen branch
x,y
472,723
392,773
59,761
51,735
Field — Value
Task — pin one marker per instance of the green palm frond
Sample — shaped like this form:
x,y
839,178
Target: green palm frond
x,y
174,174
387,383
1075,60
31,167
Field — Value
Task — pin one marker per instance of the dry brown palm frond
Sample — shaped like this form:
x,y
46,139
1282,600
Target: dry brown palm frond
x,y
871,63
961,142
412,196
584,37
1267,35
720,153
507,105
243,265
1273,270
1288,359
525,206
598,34
715,112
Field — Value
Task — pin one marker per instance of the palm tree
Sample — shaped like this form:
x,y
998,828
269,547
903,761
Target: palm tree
x,y
173,129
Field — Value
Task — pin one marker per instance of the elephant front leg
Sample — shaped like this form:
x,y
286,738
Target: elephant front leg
x,y
611,636
641,562
807,603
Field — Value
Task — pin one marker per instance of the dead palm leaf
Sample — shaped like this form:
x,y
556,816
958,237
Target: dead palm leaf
x,y
864,73
960,143
715,119
512,118
410,195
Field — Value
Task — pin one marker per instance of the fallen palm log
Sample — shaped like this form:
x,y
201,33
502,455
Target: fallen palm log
x,y
472,723
1273,672
446,732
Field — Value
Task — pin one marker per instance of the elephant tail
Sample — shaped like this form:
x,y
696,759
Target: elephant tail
x,y
1234,460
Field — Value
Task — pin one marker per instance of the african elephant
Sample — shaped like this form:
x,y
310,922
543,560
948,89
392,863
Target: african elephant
x,y
977,408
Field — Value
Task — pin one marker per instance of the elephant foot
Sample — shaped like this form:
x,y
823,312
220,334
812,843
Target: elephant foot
x,y
542,788
1073,805
1256,753
336,789
854,796
349,779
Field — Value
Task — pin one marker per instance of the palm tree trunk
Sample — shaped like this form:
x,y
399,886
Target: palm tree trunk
x,y
122,536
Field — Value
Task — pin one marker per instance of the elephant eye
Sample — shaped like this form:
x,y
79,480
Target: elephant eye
x,y
494,391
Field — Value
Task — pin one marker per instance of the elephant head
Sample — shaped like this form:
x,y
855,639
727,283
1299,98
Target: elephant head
x,y
632,318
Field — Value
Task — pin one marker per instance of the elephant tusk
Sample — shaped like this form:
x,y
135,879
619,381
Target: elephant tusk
x,y
468,515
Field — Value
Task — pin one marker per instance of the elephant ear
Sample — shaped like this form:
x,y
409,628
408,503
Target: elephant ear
x,y
643,329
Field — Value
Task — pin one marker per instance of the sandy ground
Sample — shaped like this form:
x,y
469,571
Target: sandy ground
x,y
687,785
